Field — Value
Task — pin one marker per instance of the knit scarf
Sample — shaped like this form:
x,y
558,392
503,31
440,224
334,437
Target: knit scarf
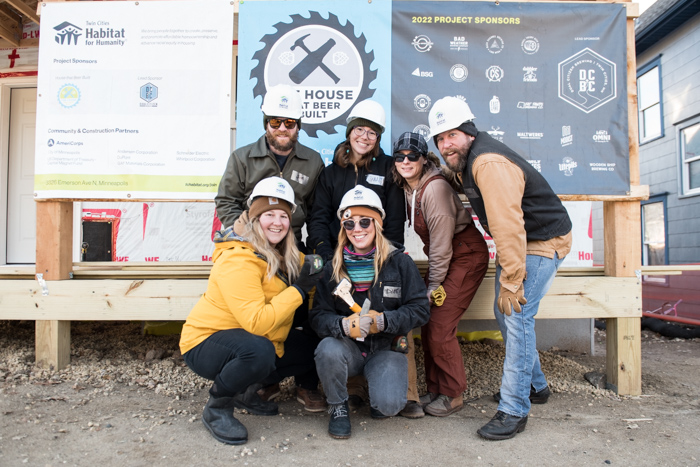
x,y
360,268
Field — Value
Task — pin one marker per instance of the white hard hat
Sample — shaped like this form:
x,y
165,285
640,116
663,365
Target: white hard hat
x,y
448,113
282,101
360,196
273,187
369,110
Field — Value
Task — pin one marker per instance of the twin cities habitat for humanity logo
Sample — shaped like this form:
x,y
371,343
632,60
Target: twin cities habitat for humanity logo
x,y
324,60
95,33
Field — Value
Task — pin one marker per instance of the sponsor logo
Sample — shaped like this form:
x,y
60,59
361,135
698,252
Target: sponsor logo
x,y
422,43
324,60
67,33
458,73
459,43
68,95
50,142
536,163
530,76
602,166
494,73
531,105
422,74
566,137
495,44
530,45
494,105
423,130
529,135
587,80
601,136
148,92
421,102
567,166
496,133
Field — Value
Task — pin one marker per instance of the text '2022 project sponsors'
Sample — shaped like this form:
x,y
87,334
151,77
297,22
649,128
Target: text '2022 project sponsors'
x,y
465,20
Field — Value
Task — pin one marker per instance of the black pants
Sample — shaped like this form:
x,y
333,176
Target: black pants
x,y
234,359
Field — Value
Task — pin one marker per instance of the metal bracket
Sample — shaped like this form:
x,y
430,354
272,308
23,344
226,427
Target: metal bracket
x,y
638,273
42,284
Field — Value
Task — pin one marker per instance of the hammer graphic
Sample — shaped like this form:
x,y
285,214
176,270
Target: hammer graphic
x,y
312,61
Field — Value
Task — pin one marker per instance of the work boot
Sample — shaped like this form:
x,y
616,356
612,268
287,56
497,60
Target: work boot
x,y
536,397
339,424
269,393
250,401
427,398
219,420
377,414
311,399
502,426
412,410
355,402
444,406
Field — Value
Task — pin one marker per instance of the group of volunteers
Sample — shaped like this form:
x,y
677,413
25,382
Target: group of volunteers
x,y
340,308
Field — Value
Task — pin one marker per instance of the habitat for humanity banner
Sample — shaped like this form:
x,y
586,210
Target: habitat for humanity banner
x,y
336,53
547,79
133,99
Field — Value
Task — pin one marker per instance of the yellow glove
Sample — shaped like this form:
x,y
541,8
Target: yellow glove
x,y
356,326
508,299
439,296
378,323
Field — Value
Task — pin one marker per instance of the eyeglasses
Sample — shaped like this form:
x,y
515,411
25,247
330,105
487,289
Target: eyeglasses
x,y
364,223
360,131
412,156
289,123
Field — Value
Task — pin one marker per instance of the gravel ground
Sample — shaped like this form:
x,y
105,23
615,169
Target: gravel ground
x,y
129,399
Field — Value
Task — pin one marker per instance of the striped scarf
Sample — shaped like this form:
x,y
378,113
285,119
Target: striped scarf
x,y
360,268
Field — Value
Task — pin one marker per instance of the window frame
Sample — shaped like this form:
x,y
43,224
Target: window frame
x,y
654,63
683,173
658,198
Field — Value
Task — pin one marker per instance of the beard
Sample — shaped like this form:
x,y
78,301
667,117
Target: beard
x,y
279,146
458,162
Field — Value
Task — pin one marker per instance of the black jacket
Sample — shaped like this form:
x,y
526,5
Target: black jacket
x,y
323,225
399,292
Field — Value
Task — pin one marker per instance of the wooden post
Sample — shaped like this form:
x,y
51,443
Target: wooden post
x,y
54,224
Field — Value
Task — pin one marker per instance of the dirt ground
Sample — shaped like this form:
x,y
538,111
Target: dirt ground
x,y
126,404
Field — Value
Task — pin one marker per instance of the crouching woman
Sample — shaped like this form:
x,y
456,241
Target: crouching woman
x,y
239,332
365,343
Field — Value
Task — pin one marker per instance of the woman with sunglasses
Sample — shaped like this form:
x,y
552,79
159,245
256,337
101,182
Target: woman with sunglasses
x,y
457,262
388,286
240,331
358,161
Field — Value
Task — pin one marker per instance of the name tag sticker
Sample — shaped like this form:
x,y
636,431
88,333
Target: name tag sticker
x,y
300,178
392,292
375,179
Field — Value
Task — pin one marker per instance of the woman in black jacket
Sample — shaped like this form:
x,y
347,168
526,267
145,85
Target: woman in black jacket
x,y
358,161
364,342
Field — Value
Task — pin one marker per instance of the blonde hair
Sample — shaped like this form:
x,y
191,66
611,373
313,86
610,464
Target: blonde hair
x,y
384,247
284,256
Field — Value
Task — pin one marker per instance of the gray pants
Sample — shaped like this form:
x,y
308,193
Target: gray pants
x,y
386,373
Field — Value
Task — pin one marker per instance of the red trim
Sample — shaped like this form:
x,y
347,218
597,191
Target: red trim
x,y
17,74
675,319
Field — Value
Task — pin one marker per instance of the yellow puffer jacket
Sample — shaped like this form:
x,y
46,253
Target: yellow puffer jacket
x,y
240,295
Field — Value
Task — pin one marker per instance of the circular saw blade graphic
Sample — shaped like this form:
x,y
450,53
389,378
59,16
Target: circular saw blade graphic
x,y
321,58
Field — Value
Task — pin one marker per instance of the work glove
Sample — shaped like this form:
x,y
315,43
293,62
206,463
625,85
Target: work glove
x,y
508,299
309,275
356,326
378,323
437,296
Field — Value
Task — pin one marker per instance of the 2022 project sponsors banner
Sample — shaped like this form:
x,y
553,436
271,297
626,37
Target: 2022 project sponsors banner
x,y
548,80
133,99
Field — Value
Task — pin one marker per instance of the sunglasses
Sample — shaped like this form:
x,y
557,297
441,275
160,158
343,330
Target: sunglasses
x,y
364,223
289,123
359,131
412,156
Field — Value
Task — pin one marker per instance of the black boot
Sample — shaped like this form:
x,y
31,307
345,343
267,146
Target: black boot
x,y
339,425
219,420
250,400
502,426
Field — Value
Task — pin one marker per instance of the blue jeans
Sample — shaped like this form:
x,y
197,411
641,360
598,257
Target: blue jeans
x,y
521,368
234,359
386,372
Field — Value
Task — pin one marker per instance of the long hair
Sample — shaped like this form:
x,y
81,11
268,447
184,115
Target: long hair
x,y
284,256
342,155
433,161
384,247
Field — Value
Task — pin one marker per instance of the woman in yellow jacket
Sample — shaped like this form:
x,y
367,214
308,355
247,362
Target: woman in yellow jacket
x,y
239,333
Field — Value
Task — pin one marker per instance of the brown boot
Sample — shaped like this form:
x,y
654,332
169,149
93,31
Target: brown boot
x,y
444,406
311,399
